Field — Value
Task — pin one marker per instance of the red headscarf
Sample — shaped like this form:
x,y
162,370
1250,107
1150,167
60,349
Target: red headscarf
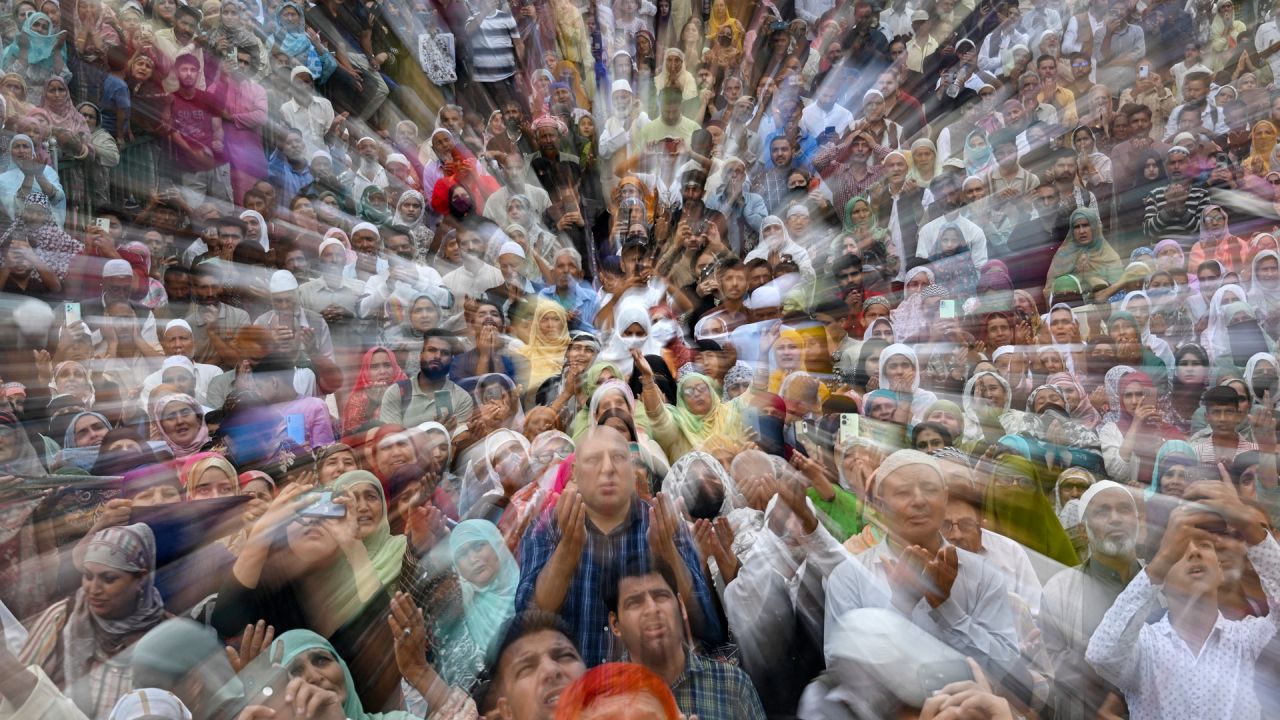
x,y
355,413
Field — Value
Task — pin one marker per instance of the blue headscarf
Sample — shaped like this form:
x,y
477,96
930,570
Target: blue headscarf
x,y
488,608
1180,450
39,47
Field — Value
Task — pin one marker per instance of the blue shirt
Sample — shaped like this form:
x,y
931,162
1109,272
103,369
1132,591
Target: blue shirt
x,y
584,610
582,298
282,175
115,96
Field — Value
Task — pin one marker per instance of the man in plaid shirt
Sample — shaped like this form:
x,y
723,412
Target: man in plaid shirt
x,y
568,558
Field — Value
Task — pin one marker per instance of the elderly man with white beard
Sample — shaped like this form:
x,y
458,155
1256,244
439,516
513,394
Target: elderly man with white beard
x,y
1075,600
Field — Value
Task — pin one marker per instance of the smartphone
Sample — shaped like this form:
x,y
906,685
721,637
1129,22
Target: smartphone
x,y
947,309
102,224
849,430
295,427
324,507
936,675
72,312
831,130
1144,71
444,403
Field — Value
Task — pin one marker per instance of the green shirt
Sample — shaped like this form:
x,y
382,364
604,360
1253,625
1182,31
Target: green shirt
x,y
842,514
422,406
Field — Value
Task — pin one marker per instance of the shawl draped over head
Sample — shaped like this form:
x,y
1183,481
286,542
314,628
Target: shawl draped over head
x,y
481,477
385,550
25,461
1083,412
39,47
487,607
721,419
50,243
63,113
86,637
157,412
1104,259
1172,452
296,642
197,464
69,439
356,411
546,352
978,414
149,703
1024,514
1069,512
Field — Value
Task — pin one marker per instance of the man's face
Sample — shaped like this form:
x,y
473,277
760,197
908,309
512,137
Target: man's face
x,y
365,242
116,289
452,119
648,620
1176,164
188,73
780,152
207,290
1064,169
962,526
604,472
294,148
1223,419
400,246
887,84
532,673
436,355
487,316
1140,124
285,303
1111,522
1013,112
1006,155
827,96
548,139
671,110
733,283
913,501
1195,89
566,269
178,341
230,235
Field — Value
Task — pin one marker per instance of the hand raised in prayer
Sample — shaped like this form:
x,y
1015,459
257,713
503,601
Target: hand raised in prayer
x,y
967,699
425,526
906,577
664,525
571,519
791,492
642,366
255,639
941,573
311,702
1263,419
409,632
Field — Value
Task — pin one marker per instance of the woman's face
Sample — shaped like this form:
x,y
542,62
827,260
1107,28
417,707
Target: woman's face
x,y
1083,141
697,397
787,351
950,241
477,563
1070,392
1267,270
319,667
336,465
917,283
90,116
143,68
923,157
380,368
1215,220
72,379
89,431
111,594
366,502
998,332
393,452
158,495
1051,363
290,16
928,440
551,325
991,390
1082,231
947,420
1133,396
212,483
180,423
875,312
311,541
41,26
882,331
860,213
1071,489
613,400
882,409
258,489
898,368
452,249
1190,370
1151,169
1173,480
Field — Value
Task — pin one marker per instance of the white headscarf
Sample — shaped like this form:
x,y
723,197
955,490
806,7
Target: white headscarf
x,y
1215,339
920,399
630,311
972,420
262,238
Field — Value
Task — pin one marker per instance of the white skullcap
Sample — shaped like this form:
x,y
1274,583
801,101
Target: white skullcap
x,y
511,247
366,137
283,281
621,84
179,323
899,460
364,226
397,158
181,361
117,268
798,209
298,70
321,154
1098,487
329,242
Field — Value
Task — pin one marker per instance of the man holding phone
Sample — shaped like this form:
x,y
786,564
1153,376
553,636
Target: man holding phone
x,y
432,396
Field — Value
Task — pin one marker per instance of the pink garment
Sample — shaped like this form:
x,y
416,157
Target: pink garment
x,y
245,104
315,420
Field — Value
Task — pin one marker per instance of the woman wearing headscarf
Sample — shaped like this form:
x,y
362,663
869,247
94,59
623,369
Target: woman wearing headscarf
x,y
1071,485
35,224
305,654
1015,506
72,378
978,157
84,644
1130,443
1262,140
17,456
373,206
776,243
1138,304
489,575
985,399
1084,253
905,379
404,339
369,505
291,38
63,113
548,340
1216,339
861,233
1078,404
208,475
924,162
38,55
147,290
698,415
1217,242
178,420
494,469
910,319
1264,286
952,262
378,371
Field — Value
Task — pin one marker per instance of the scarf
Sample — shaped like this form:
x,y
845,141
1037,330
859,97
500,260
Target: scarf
x,y
720,419
86,637
385,550
488,607
544,352
39,47
197,464
356,412
157,411
292,39
50,243
1024,514
368,211
294,643
919,174
1083,411
69,439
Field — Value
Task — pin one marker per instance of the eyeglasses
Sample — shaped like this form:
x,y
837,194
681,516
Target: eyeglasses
x,y
964,525
1020,481
695,389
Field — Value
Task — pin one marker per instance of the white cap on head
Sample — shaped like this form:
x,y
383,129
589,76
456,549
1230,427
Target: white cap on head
x,y
117,268
298,70
511,247
397,158
179,323
1098,487
283,281
364,226
181,361
619,85
798,209
330,242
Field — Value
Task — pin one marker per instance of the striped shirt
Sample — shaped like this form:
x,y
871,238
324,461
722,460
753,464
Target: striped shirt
x,y
493,48
1159,223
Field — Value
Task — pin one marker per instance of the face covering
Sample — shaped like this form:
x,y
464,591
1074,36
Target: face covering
x,y
634,343
460,205
663,330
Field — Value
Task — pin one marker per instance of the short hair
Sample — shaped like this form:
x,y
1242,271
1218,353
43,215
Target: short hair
x,y
639,565
669,95
529,622
442,334
1197,75
846,262
1042,58
1131,110
274,363
184,58
230,221
1221,396
730,262
616,679
758,263
1003,136
571,252
206,269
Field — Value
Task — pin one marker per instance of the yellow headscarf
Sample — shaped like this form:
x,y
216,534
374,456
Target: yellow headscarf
x,y
546,353
1259,160
777,375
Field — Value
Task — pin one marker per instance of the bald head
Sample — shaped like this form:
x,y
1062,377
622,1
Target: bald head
x,y
604,472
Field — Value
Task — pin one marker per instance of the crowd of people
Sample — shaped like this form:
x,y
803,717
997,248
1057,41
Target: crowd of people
x,y
448,359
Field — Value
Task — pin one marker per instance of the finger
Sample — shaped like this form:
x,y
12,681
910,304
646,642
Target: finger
x,y
277,654
979,676
256,712
233,657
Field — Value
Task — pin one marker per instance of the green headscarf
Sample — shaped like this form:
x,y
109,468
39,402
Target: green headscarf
x,y
297,642
1164,457
1106,263
591,380
377,216
385,550
1025,515
720,419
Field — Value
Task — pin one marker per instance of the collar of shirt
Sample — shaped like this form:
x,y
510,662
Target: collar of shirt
x,y
633,517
